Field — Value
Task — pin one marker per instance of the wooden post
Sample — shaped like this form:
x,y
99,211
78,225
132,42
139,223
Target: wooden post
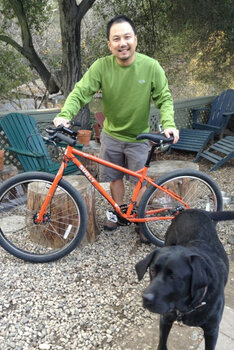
x,y
61,206
87,192
7,172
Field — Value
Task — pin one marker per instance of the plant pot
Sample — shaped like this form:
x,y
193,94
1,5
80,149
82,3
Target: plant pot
x,y
84,137
1,160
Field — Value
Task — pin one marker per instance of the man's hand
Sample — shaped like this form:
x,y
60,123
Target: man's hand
x,y
172,131
59,121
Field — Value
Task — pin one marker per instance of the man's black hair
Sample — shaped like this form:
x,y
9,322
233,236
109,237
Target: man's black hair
x,y
119,19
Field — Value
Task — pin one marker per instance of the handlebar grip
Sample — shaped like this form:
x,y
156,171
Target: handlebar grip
x,y
76,123
66,139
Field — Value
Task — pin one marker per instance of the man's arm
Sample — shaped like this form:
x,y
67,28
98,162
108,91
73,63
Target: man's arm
x,y
161,96
80,95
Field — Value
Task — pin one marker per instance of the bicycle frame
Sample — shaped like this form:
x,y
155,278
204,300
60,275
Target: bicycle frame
x,y
141,174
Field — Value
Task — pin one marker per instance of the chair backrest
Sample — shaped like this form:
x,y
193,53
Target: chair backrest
x,y
222,104
22,133
99,118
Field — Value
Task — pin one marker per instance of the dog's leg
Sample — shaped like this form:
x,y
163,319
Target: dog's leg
x,y
164,330
211,338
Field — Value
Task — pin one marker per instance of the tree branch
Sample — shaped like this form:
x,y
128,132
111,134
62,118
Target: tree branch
x,y
20,14
12,42
84,6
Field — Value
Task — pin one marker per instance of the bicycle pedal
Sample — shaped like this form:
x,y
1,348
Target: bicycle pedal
x,y
111,216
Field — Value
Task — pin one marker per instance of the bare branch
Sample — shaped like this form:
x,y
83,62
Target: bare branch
x,y
12,42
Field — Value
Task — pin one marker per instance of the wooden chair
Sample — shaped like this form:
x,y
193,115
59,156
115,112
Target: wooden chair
x,y
220,152
97,127
196,139
220,113
30,148
193,140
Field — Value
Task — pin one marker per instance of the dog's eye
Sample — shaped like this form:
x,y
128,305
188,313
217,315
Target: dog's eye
x,y
171,275
152,273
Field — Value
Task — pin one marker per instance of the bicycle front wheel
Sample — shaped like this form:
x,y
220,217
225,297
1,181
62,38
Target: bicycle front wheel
x,y
64,222
195,188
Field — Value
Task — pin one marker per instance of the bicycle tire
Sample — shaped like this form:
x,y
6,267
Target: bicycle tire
x,y
21,198
194,187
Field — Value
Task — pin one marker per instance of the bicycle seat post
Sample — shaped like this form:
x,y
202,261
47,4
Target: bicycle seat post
x,y
150,155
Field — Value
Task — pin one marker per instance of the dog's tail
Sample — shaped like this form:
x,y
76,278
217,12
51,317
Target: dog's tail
x,y
221,215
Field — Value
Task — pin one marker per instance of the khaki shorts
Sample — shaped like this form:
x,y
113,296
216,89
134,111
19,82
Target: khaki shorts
x,y
131,155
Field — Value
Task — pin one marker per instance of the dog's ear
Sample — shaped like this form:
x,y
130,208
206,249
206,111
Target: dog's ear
x,y
142,265
199,278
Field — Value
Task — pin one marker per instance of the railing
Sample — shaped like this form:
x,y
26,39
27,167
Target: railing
x,y
183,112
44,118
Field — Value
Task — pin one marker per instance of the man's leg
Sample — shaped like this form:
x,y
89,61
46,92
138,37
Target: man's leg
x,y
117,191
142,191
112,151
136,156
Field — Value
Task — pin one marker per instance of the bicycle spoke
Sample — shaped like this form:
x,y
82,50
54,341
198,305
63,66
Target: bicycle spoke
x,y
19,207
196,191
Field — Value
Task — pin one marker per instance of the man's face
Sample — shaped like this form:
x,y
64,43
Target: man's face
x,y
122,43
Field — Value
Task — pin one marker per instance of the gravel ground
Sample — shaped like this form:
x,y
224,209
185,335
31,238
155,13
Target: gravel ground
x,y
90,299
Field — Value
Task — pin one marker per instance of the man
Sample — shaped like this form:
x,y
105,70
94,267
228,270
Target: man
x,y
129,80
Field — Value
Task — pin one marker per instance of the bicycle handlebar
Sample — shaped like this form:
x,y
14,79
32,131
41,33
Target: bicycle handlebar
x,y
67,139
156,138
58,133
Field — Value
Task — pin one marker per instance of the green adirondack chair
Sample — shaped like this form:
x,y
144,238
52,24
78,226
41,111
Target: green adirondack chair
x,y
29,146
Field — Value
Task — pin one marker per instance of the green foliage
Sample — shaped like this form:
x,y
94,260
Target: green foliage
x,y
14,72
192,39
149,17
37,12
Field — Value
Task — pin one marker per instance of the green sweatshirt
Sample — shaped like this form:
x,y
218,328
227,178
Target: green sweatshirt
x,y
127,92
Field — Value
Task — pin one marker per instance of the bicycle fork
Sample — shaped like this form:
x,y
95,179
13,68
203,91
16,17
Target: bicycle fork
x,y
42,215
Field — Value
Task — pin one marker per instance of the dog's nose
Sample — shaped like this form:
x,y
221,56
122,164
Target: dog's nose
x,y
148,297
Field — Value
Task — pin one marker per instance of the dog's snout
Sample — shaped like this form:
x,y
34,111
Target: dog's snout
x,y
148,297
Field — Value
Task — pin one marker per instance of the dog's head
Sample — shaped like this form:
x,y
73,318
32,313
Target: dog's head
x,y
178,276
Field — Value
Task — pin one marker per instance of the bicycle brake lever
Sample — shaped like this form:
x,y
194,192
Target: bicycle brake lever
x,y
49,140
51,131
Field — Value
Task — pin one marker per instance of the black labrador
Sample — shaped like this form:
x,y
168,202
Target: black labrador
x,y
188,275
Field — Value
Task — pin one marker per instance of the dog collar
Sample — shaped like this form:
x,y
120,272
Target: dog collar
x,y
180,315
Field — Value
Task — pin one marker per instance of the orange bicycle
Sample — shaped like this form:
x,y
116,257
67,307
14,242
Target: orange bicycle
x,y
43,217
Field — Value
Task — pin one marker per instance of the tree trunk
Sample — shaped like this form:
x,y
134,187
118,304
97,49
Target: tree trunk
x,y
70,33
71,16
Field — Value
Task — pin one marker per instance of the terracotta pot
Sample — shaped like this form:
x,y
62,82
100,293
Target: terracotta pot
x,y
84,137
1,160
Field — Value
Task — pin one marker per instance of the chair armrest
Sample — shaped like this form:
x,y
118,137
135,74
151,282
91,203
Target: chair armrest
x,y
206,127
24,152
227,114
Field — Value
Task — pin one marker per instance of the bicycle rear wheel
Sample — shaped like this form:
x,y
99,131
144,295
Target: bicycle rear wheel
x,y
195,188
64,223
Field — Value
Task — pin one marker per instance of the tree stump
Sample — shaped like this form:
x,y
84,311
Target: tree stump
x,y
7,172
92,167
87,191
61,206
181,187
